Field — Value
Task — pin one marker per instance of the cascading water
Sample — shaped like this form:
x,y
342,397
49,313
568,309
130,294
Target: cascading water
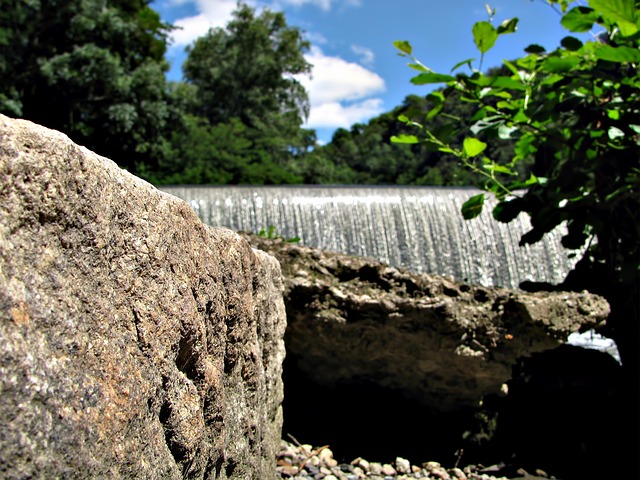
x,y
418,228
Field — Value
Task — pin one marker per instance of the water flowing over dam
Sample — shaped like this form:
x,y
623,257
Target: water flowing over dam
x,y
417,228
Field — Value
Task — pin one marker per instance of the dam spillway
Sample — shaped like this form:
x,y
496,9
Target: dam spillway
x,y
417,228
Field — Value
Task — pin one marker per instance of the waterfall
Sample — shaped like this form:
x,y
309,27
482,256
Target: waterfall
x,y
417,228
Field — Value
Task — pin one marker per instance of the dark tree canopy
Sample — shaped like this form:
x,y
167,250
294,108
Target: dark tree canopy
x,y
93,69
244,107
246,70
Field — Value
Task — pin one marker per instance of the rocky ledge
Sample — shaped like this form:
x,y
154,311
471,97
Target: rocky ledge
x,y
442,343
382,363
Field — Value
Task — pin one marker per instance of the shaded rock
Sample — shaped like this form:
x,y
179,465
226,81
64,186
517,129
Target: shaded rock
x,y
384,363
442,343
134,341
563,415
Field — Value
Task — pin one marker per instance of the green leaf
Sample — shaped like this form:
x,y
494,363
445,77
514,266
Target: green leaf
x,y
571,43
473,147
508,83
508,26
487,123
403,46
436,97
559,64
426,78
622,12
438,104
507,210
551,79
484,35
494,167
618,54
403,138
419,67
472,207
464,62
613,114
511,67
535,48
505,132
528,63
615,132
446,150
579,19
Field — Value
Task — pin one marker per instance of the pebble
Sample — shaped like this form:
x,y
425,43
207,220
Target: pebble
x,y
318,464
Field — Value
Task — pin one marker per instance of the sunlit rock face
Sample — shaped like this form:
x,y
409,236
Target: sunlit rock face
x,y
135,342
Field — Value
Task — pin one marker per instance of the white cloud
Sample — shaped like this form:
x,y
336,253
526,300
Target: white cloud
x,y
367,56
334,79
339,91
338,115
213,14
321,4
316,38
217,13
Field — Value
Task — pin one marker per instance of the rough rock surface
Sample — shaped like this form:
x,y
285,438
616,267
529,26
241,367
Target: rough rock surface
x,y
134,341
441,343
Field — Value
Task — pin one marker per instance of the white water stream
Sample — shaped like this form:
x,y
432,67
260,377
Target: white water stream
x,y
418,228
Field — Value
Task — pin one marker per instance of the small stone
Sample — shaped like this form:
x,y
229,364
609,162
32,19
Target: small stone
x,y
375,468
313,470
388,469
457,473
415,468
325,471
431,465
287,470
339,474
331,463
359,472
325,453
362,463
326,457
403,465
330,477
439,472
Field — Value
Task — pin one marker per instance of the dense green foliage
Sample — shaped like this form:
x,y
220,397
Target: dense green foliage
x,y
244,109
92,69
574,114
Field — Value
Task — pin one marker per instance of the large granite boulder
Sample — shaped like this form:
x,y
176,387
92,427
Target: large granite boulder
x,y
134,341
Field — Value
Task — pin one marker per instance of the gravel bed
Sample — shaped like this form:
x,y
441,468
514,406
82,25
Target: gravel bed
x,y
305,462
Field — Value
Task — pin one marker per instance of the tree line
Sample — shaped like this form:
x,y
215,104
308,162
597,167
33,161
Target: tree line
x,y
96,70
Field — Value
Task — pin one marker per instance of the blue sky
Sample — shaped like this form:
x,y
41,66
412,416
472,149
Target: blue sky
x,y
357,73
